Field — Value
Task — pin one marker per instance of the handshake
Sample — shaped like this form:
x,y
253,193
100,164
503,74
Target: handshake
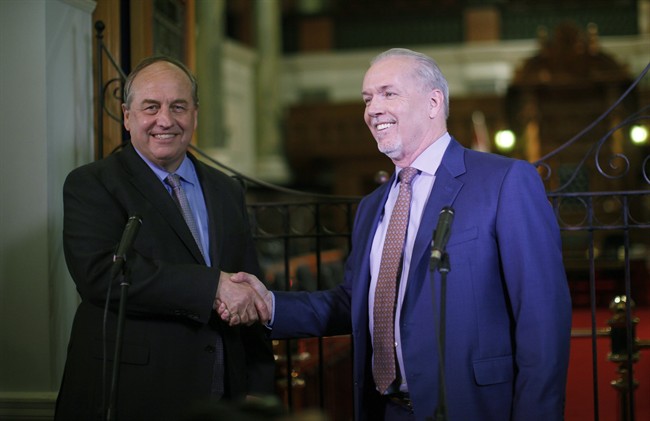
x,y
242,299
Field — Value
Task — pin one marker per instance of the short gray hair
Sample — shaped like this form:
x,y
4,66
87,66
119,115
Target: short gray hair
x,y
426,68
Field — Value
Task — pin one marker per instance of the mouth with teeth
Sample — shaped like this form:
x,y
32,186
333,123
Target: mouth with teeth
x,y
163,136
383,126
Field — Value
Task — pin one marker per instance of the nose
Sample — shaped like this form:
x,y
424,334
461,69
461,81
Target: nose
x,y
164,117
373,107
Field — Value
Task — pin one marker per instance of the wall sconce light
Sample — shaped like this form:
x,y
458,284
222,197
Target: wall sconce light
x,y
639,135
504,140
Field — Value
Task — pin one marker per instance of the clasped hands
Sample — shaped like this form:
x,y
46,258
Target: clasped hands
x,y
242,299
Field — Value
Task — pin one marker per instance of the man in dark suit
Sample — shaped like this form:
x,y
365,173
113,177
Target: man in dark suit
x,y
176,351
508,309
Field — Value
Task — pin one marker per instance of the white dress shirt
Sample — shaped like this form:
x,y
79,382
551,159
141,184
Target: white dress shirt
x,y
427,164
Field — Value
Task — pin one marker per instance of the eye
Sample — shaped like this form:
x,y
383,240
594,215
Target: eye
x,y
178,108
389,94
151,109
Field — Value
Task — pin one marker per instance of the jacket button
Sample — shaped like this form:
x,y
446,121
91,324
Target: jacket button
x,y
210,349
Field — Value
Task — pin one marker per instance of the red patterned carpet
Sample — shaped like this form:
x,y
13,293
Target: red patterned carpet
x,y
580,389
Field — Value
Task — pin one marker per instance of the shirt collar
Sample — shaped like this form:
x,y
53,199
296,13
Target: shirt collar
x,y
186,170
429,160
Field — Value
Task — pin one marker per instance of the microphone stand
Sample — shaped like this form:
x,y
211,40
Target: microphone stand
x,y
443,267
124,284
118,270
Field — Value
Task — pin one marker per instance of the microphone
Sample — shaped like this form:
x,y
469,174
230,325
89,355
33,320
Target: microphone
x,y
128,236
441,235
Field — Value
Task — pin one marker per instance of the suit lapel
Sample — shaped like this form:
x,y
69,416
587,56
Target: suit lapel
x,y
367,221
444,192
153,191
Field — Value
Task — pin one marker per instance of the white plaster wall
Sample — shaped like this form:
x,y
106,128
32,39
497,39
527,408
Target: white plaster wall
x,y
46,121
24,303
69,90
239,109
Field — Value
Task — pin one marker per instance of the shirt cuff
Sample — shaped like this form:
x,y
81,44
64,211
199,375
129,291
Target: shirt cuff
x,y
270,322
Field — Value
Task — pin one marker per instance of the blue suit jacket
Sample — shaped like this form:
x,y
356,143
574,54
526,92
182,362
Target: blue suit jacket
x,y
508,305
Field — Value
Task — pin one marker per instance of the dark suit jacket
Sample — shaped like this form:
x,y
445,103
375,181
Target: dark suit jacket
x,y
171,330
508,305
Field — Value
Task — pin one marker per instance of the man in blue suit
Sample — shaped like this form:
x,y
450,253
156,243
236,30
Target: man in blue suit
x,y
508,311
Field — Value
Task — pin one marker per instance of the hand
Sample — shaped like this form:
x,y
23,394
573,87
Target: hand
x,y
238,303
264,310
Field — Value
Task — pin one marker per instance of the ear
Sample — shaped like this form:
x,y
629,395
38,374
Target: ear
x,y
436,103
126,113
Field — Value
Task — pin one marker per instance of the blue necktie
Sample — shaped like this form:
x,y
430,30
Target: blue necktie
x,y
174,181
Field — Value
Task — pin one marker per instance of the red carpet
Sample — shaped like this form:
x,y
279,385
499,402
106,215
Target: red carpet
x,y
580,389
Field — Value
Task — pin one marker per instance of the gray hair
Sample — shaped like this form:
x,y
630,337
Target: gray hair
x,y
426,69
127,95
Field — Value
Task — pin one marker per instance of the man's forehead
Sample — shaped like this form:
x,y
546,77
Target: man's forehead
x,y
370,88
162,81
379,76
161,72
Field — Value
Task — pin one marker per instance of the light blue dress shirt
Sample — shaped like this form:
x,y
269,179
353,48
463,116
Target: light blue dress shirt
x,y
427,163
192,187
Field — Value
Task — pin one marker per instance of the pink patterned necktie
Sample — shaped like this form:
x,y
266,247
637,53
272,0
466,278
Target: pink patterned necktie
x,y
174,181
383,343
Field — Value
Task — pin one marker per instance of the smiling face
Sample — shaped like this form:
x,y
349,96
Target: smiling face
x,y
403,115
161,115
